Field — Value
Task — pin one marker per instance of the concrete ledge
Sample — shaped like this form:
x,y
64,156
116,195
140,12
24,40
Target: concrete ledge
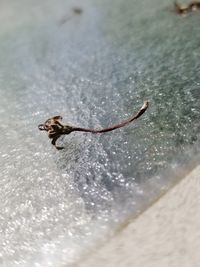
x,y
167,234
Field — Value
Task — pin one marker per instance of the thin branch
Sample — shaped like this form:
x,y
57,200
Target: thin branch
x,y
55,128
115,126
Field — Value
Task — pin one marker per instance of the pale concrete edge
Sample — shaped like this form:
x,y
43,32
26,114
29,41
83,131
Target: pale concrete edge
x,y
182,174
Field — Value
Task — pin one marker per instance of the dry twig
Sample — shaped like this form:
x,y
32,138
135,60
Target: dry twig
x,y
55,128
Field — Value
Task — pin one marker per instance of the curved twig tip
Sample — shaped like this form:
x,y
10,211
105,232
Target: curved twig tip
x,y
145,105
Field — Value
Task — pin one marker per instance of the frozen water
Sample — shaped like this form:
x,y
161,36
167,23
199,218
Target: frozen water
x,y
94,69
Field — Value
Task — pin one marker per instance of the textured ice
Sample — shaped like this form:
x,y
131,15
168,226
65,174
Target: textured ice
x,y
96,68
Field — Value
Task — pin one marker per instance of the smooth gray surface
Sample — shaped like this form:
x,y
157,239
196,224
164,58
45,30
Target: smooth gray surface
x,y
95,69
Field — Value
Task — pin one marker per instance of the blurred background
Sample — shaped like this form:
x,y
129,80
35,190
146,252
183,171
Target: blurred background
x,y
94,62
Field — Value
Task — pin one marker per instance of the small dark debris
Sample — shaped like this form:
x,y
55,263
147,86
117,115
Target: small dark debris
x,y
186,8
76,11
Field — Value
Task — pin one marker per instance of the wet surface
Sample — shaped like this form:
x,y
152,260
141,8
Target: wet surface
x,y
95,69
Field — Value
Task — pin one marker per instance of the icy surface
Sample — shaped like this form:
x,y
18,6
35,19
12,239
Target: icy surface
x,y
93,68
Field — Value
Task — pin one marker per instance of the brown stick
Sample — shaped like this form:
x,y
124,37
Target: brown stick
x,y
115,126
55,129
